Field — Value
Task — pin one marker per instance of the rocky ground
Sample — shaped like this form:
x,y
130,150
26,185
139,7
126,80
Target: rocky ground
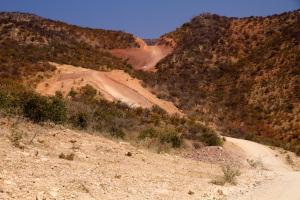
x,y
52,162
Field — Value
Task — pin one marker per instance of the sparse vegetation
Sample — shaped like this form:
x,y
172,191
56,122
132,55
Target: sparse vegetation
x,y
289,160
84,110
229,175
39,108
38,41
16,138
255,163
244,80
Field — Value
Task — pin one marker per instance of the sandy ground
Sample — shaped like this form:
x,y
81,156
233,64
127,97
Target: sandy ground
x,y
101,170
285,181
143,58
113,85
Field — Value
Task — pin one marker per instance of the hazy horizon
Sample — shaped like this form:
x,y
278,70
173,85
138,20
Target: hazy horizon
x,y
144,19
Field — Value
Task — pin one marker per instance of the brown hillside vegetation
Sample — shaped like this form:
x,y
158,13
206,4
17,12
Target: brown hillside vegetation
x,y
241,74
31,29
27,40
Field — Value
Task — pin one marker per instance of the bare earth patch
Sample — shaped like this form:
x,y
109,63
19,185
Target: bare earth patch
x,y
113,85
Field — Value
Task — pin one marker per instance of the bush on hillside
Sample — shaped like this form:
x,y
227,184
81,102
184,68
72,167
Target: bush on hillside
x,y
201,133
39,109
116,132
171,137
81,120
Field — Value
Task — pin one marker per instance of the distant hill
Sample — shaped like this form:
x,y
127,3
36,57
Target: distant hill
x,y
151,42
243,75
27,39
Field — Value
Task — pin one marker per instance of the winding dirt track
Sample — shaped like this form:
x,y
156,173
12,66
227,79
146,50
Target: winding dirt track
x,y
285,185
113,85
144,58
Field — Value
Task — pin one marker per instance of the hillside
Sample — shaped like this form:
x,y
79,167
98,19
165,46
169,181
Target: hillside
x,y
109,102
241,74
27,40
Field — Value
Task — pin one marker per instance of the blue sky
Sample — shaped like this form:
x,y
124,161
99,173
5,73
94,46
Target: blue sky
x,y
144,18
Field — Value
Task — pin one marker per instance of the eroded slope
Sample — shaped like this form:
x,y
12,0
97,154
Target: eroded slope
x,y
114,85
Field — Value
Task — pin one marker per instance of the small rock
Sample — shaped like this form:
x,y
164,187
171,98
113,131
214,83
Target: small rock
x,y
41,141
191,192
118,176
129,154
220,192
73,141
40,196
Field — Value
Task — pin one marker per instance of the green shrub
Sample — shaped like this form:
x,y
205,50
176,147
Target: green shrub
x,y
229,175
212,139
39,108
148,133
81,120
171,137
87,93
158,110
117,132
203,134
57,110
72,93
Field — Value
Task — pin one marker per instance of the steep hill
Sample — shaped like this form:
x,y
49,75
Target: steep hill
x,y
242,74
27,39
31,29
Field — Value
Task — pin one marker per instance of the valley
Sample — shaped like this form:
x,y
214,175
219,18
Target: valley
x,y
207,111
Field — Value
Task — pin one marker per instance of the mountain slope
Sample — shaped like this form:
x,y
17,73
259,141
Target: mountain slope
x,y
241,74
28,40
31,29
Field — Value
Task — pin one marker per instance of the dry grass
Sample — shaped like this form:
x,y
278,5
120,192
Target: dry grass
x,y
229,176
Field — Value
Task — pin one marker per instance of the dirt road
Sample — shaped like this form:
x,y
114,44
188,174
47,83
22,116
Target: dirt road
x,y
143,58
286,182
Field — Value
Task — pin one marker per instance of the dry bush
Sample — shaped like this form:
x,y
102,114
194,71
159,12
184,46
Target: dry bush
x,y
67,156
229,175
16,138
255,163
289,160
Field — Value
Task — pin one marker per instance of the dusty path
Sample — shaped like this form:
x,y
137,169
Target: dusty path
x,y
113,85
143,58
286,182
